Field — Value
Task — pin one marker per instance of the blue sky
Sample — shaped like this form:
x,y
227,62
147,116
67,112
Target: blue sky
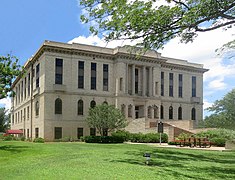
x,y
25,24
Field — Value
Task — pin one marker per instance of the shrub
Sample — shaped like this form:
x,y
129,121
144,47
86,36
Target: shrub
x,y
218,141
148,138
39,140
92,139
173,143
218,137
103,139
8,137
22,138
122,134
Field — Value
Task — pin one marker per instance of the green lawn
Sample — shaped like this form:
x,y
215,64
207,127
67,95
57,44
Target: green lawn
x,y
24,160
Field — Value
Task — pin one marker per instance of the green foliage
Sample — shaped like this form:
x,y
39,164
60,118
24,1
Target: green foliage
x,y
223,113
104,139
153,24
9,69
123,134
220,142
218,137
183,136
148,138
4,120
39,140
8,138
106,118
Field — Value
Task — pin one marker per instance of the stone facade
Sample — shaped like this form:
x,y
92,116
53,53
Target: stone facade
x,y
63,80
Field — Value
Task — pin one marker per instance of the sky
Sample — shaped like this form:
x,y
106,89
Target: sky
x,y
26,24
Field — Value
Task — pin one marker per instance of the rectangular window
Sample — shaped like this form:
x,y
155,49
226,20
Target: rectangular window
x,y
121,84
93,76
105,77
92,132
24,114
29,84
27,133
79,132
27,112
171,83
36,132
136,81
58,132
25,87
194,87
81,74
16,95
21,115
37,75
58,71
162,83
22,90
180,85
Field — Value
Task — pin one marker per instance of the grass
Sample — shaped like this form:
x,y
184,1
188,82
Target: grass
x,y
24,160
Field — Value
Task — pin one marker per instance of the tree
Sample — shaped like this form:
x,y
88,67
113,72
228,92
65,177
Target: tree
x,y
106,118
9,69
223,115
155,24
4,120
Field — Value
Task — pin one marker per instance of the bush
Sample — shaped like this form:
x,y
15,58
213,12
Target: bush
x,y
148,138
103,139
8,137
22,138
218,137
173,143
125,135
220,142
39,140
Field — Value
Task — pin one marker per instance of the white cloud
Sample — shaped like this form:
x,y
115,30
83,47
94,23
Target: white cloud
x,y
6,102
95,40
202,50
217,84
206,104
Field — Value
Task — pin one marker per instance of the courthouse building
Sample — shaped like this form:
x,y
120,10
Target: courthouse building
x,y
62,81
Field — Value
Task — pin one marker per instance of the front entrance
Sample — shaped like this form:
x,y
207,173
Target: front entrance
x,y
139,111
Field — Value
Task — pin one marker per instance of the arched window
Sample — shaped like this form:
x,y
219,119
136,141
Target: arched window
x,y
92,104
155,112
193,114
162,112
37,108
149,112
58,106
105,102
123,108
80,107
170,112
180,113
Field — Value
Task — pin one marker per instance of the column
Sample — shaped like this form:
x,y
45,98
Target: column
x,y
150,81
144,82
127,79
133,80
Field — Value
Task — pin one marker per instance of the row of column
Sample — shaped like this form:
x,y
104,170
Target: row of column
x,y
144,80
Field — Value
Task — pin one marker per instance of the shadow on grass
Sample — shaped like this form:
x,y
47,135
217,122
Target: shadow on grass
x,y
181,164
13,148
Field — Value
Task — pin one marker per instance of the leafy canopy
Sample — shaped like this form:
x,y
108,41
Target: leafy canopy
x,y
223,112
4,120
156,24
9,69
106,118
